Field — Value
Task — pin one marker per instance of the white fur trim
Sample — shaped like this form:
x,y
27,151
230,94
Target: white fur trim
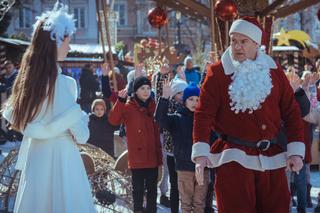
x,y
296,148
200,149
228,62
58,125
246,28
254,162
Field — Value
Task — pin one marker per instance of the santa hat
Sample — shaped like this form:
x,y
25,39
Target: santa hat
x,y
248,26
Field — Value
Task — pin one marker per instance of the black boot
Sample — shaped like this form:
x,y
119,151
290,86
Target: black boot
x,y
164,200
309,201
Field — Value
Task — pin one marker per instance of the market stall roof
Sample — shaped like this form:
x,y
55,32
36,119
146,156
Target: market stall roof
x,y
201,12
89,48
16,42
285,48
189,8
83,48
86,59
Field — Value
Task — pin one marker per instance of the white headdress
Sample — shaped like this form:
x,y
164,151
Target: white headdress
x,y
58,22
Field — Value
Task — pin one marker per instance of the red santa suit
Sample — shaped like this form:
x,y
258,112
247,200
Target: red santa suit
x,y
248,180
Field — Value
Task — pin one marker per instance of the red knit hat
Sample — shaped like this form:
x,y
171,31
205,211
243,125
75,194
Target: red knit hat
x,y
248,26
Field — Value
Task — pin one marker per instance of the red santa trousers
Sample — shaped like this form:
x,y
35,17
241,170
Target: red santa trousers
x,y
241,190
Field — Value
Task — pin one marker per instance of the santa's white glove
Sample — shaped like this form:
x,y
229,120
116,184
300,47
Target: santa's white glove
x,y
294,163
201,163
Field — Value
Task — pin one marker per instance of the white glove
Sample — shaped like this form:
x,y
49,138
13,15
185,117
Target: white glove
x,y
201,163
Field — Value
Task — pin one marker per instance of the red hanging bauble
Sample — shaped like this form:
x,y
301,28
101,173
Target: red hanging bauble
x,y
226,10
318,14
157,17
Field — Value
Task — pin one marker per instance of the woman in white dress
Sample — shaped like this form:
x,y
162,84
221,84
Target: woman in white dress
x,y
43,107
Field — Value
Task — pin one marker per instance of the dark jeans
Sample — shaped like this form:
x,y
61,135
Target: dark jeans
x,y
209,198
174,193
142,180
300,183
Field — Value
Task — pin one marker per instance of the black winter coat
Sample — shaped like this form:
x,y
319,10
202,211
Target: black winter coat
x,y
101,133
89,85
7,83
180,125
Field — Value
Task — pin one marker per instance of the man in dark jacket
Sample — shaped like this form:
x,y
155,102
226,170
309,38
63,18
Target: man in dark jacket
x,y
9,77
6,89
89,85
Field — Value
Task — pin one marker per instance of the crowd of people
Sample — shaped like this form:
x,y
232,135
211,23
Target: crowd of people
x,y
227,131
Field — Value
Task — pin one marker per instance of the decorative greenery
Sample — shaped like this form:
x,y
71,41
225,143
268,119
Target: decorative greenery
x,y
119,46
199,56
21,36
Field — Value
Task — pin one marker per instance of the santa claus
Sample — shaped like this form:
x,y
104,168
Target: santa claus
x,y
247,99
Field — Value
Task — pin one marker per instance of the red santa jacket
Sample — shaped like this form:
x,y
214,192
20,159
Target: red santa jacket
x,y
143,135
264,123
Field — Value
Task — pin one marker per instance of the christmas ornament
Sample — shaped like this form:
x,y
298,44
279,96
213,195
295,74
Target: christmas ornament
x,y
226,10
157,17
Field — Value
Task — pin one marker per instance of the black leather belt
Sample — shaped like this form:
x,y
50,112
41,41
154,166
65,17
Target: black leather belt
x,y
263,145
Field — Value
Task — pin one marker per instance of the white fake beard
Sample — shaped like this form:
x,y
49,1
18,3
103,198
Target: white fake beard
x,y
251,85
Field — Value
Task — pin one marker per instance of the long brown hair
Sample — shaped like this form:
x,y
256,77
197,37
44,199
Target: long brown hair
x,y
36,79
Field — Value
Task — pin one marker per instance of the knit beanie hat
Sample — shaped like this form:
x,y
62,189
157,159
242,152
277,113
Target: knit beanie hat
x,y
248,26
140,81
177,86
191,90
186,60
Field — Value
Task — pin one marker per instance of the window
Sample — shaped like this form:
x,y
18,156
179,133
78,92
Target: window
x,y
120,8
80,16
25,17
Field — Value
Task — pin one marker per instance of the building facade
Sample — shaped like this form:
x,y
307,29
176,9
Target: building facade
x,y
132,23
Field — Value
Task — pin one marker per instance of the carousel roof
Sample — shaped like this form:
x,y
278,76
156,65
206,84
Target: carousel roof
x,y
195,9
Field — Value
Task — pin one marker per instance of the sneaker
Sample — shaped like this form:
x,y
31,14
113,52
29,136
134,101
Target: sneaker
x,y
164,200
294,203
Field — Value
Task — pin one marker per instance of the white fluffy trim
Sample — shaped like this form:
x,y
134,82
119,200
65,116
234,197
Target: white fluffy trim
x,y
200,149
296,148
254,162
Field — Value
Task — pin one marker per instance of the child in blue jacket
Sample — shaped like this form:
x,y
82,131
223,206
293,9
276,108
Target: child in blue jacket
x,y
180,125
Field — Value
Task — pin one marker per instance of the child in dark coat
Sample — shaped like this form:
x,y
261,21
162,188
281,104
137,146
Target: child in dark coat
x,y
101,131
180,124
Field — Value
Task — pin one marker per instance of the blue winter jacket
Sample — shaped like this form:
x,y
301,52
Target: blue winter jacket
x,y
192,75
180,125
